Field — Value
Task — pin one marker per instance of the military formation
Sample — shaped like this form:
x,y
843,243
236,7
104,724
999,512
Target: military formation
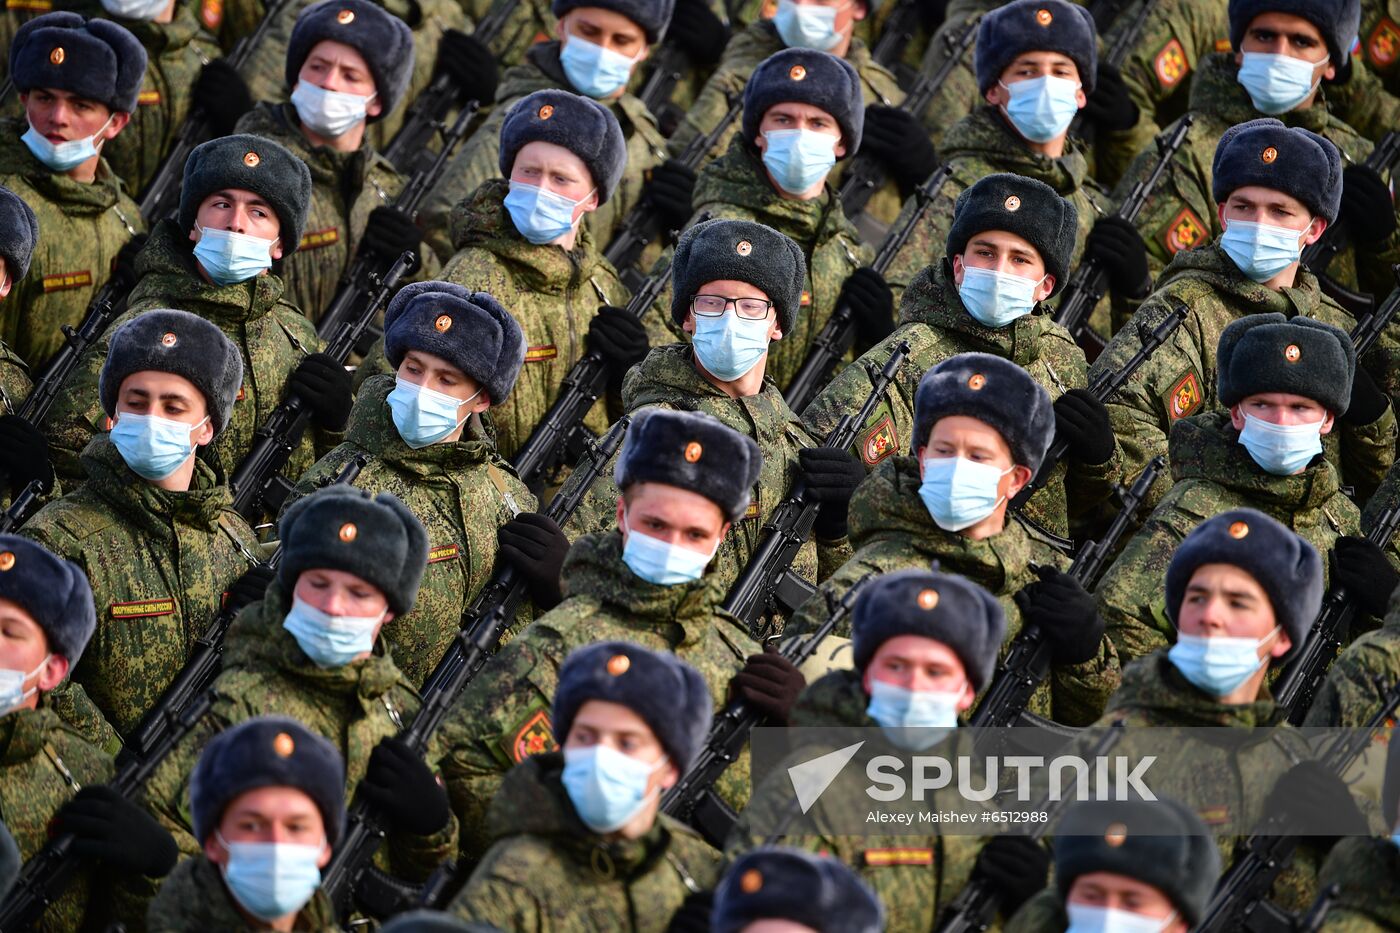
x,y
434,435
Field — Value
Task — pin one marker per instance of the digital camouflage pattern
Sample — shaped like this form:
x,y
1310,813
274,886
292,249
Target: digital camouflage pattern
x,y
548,872
14,380
451,488
503,716
1349,697
530,22
82,229
1212,473
1367,871
194,898
159,563
891,530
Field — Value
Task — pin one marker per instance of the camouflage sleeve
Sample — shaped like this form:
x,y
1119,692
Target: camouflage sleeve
x,y
265,65
745,50
322,472
1079,692
959,95
496,894
811,614
530,21
476,162
1348,697
166,794
831,556
928,240
1131,595
1180,213
77,414
1044,911
1364,104
1367,453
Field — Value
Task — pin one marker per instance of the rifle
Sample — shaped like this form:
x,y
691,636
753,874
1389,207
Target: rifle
x,y
256,482
1028,657
767,583
1105,16
669,63
349,874
837,333
896,34
1337,237
40,399
18,512
1368,329
866,175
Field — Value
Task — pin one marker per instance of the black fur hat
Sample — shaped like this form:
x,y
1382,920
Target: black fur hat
x,y
468,329
1036,26
95,59
818,892
1271,353
1290,159
19,231
692,451
249,163
1028,208
382,38
653,17
996,392
806,76
54,591
739,251
581,125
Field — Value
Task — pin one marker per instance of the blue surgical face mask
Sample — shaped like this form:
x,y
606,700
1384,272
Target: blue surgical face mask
x,y
1042,108
424,416
1085,918
594,70
912,719
606,787
807,26
1261,251
330,641
1281,449
60,157
540,216
1276,83
153,447
12,692
995,299
799,159
229,258
271,879
661,562
729,346
958,492
329,113
1218,665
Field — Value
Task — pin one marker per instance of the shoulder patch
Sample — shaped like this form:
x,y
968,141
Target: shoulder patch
x,y
66,281
211,14
878,441
143,608
1383,44
316,239
806,298
1185,396
1186,231
898,855
541,353
1170,64
533,736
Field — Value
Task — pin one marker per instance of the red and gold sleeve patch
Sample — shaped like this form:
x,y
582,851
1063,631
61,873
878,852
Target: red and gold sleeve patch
x,y
806,299
1383,44
319,238
534,736
1185,397
211,14
878,442
148,98
1214,816
545,351
752,511
242,393
31,6
1170,64
66,281
144,608
443,552
1186,231
1223,45
881,858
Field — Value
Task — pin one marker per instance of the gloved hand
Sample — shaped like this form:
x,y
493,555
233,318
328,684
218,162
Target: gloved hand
x,y
250,587
1365,572
389,231
470,65
696,28
1018,868
694,915
1368,402
1110,107
900,143
1082,421
832,477
324,386
124,265
116,832
223,95
404,789
1116,244
620,338
1367,206
872,302
770,683
670,190
1315,802
24,455
535,546
1066,614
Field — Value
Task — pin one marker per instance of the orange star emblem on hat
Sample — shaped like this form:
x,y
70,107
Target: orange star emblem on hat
x,y
1013,204
546,111
169,340
443,324
1292,353
283,745
1269,154
7,560
57,55
348,532
345,17
751,881
743,247
1044,17
1238,529
251,159
1116,835
797,72
618,664
693,450
977,382
928,599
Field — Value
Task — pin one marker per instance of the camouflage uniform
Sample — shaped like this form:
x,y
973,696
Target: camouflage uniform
x,y
891,530
1044,913
159,563
529,22
1367,870
1212,473
83,227
504,715
14,380
452,489
1349,697
194,899
548,873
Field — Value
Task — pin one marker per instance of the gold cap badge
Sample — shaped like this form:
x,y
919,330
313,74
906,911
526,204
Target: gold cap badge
x,y
618,664
1269,154
1292,353
348,532
7,560
345,17
751,881
1116,835
1043,17
797,72
546,111
977,382
251,159
169,340
743,247
928,599
57,55
1013,204
283,745
1238,529
443,323
693,450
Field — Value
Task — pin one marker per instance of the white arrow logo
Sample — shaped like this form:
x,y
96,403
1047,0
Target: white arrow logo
x,y
811,778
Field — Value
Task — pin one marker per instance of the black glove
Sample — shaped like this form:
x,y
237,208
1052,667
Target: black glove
x,y
1018,868
694,915
770,683
389,231
620,338
404,789
696,28
24,455
1082,421
1367,403
1366,205
1110,107
470,65
832,477
250,587
872,302
1116,244
901,144
324,386
1066,614
1365,572
124,265
535,546
670,190
223,95
1315,802
112,830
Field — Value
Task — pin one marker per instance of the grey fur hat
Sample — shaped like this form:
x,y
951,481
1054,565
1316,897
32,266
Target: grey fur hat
x,y
54,591
1271,353
690,450
996,392
806,76
1028,208
96,59
249,163
178,342
740,251
581,125
818,892
468,329
382,38
1293,160
1036,26
267,751
1337,20
1285,565
19,231
652,16
374,537
640,679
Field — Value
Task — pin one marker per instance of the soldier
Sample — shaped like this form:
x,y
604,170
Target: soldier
x,y
579,839
78,83
267,800
1008,251
981,429
23,448
1286,383
1125,865
1366,869
779,885
453,348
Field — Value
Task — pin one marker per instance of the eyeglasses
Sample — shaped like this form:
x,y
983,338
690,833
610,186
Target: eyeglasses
x,y
750,309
